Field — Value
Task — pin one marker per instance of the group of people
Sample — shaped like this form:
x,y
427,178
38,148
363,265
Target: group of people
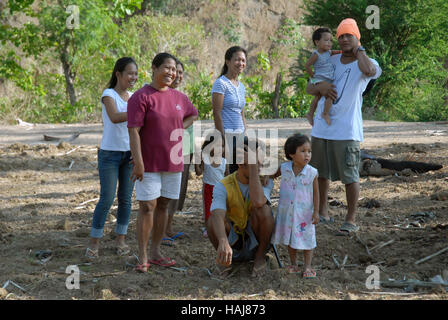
x,y
138,147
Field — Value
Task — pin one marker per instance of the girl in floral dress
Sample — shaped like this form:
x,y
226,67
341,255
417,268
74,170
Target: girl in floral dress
x,y
298,208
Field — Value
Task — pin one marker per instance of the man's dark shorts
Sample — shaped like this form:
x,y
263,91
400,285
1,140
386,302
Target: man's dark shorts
x,y
336,159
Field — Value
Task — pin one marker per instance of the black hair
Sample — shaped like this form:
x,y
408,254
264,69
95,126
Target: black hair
x,y
293,142
228,56
317,34
179,62
160,58
120,65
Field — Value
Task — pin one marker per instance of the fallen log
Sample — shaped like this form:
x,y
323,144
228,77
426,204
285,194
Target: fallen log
x,y
380,166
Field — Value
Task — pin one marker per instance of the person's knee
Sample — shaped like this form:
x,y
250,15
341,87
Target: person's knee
x,y
262,214
147,207
162,203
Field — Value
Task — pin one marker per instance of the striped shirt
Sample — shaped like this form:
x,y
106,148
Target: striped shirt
x,y
234,101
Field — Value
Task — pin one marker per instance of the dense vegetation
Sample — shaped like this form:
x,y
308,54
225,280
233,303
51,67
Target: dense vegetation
x,y
56,66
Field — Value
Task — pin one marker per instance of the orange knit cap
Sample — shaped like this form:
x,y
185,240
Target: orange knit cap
x,y
349,26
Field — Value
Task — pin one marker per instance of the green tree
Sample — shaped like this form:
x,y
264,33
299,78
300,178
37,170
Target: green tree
x,y
65,30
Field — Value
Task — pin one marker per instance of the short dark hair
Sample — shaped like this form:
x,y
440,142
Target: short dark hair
x,y
293,142
160,58
317,34
120,65
228,56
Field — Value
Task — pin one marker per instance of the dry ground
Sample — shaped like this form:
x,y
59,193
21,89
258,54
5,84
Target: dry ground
x,y
40,209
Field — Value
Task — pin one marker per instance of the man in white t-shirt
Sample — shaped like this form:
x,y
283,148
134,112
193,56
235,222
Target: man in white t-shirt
x,y
336,147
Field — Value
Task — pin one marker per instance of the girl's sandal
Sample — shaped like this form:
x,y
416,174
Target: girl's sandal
x,y
92,253
143,267
309,274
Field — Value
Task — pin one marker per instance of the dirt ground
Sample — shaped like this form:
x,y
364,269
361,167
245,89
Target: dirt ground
x,y
45,186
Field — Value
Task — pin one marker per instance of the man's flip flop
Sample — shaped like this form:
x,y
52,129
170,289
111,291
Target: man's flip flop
x,y
163,262
347,229
179,235
168,242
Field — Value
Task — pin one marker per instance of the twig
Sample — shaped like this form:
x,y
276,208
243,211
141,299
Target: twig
x,y
68,152
362,242
381,245
431,256
344,261
335,261
91,200
71,165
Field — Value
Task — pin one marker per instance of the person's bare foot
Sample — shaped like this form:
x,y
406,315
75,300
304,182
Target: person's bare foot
x,y
326,117
260,266
310,119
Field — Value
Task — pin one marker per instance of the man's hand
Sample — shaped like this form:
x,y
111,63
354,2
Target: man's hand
x,y
138,171
224,253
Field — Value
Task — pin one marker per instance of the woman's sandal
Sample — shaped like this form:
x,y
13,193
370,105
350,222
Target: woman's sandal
x,y
91,253
143,267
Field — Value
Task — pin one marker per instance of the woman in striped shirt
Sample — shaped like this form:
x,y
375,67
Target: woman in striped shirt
x,y
228,99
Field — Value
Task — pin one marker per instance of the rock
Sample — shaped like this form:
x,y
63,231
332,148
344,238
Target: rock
x,y
3,293
64,145
218,294
445,275
106,294
34,213
364,258
369,203
392,261
440,196
64,224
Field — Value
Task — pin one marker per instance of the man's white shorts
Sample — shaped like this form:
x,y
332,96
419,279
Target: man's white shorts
x,y
158,184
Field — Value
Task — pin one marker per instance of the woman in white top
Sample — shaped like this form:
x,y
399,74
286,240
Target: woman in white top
x,y
114,157
228,100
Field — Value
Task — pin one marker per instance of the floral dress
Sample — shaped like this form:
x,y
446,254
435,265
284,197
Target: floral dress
x,y
293,223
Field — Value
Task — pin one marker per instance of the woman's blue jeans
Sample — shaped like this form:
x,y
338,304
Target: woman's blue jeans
x,y
113,167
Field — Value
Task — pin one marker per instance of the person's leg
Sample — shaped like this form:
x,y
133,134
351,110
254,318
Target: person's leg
x,y
124,195
184,182
324,185
144,227
319,160
350,158
352,193
169,189
108,167
160,219
309,116
307,258
326,112
262,222
177,204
